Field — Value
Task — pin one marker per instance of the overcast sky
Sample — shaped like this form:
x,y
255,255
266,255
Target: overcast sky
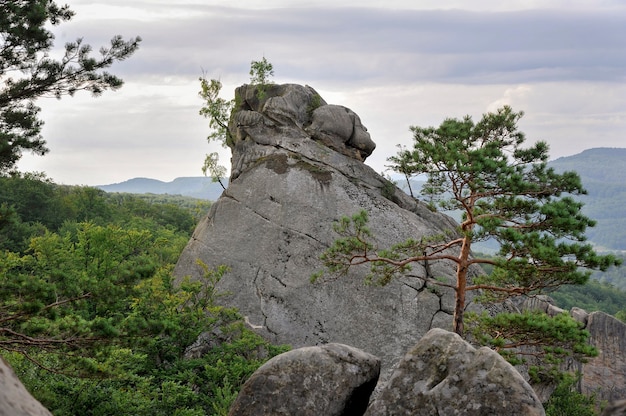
x,y
396,63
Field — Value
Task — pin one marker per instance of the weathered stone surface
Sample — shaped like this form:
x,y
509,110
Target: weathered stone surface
x,y
15,400
275,219
328,380
444,375
617,408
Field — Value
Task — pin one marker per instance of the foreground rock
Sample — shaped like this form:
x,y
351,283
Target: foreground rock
x,y
297,167
15,400
441,375
329,380
444,375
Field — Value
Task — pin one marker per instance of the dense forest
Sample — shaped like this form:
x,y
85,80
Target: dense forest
x,y
120,249
90,319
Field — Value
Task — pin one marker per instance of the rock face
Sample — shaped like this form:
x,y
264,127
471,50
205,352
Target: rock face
x,y
329,380
15,400
617,408
296,168
605,375
444,375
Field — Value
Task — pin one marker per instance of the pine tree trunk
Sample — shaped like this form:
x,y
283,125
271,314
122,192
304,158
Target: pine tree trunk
x,y
461,284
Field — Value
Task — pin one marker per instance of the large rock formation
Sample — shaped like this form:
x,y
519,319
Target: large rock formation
x,y
15,400
329,380
297,166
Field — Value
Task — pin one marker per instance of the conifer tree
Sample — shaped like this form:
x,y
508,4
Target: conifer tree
x,y
28,72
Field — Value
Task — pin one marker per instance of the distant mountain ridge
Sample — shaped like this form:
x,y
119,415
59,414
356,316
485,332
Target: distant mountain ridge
x,y
601,164
602,170
603,174
199,187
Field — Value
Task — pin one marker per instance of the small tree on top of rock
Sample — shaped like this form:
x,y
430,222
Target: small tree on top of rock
x,y
218,111
260,73
506,194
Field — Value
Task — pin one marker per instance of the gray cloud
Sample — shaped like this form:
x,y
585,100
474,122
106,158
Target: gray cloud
x,y
395,67
359,45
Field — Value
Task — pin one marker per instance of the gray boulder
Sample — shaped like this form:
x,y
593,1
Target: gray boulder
x,y
275,219
340,129
328,380
15,400
444,375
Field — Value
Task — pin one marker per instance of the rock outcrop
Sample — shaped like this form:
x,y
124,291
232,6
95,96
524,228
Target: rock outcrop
x,y
15,400
605,375
441,375
329,380
297,166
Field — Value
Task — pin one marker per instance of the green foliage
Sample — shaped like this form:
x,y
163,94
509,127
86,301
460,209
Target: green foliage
x,y
401,163
615,276
355,235
548,339
566,401
177,211
29,72
260,74
219,111
31,204
216,109
213,168
595,295
154,377
71,291
92,320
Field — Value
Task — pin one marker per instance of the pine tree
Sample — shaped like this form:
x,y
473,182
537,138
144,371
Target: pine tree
x,y
507,194
28,72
